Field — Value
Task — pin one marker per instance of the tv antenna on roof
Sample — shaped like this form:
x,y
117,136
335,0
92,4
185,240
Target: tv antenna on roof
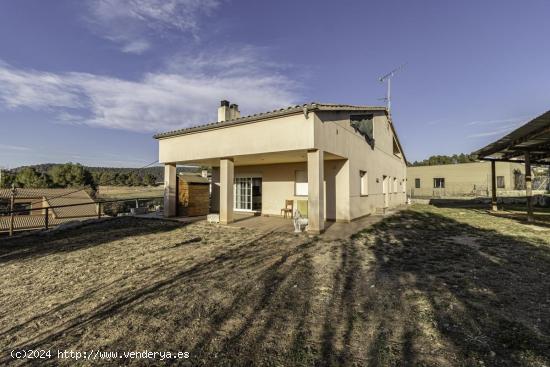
x,y
387,78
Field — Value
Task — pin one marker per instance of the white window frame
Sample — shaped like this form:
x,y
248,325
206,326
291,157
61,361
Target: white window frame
x,y
363,183
237,195
441,183
249,177
301,187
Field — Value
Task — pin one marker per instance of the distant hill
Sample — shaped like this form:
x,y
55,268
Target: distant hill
x,y
51,175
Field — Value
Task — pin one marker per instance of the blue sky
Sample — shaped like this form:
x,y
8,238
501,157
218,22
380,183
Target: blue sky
x,y
91,81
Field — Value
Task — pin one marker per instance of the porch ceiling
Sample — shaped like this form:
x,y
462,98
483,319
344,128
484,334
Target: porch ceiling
x,y
265,158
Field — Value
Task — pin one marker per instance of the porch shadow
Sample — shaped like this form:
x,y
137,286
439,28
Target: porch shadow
x,y
263,223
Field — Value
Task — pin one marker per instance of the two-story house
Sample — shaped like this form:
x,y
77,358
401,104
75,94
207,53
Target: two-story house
x,y
344,162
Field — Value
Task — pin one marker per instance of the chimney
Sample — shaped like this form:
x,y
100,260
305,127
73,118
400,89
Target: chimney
x,y
234,112
223,111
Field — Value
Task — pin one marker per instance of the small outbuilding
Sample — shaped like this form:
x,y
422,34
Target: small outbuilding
x,y
464,180
193,195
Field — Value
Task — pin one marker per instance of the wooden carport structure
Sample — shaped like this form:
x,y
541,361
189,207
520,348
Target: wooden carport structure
x,y
530,144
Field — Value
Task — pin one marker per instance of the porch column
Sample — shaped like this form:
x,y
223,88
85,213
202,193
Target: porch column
x,y
494,206
343,213
528,187
226,190
215,194
169,189
316,197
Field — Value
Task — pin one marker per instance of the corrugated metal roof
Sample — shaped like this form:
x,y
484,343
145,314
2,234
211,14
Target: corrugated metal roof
x,y
313,106
79,197
57,197
534,136
38,193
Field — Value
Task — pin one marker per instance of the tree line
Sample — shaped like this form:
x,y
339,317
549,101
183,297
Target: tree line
x,y
74,175
446,159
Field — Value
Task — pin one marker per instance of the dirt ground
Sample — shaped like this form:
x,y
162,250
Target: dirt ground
x,y
425,287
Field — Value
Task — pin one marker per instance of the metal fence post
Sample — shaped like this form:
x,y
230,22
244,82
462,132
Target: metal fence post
x,y
12,204
35,223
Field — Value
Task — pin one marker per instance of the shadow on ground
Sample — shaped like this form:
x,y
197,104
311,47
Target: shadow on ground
x,y
516,212
73,239
418,288
480,297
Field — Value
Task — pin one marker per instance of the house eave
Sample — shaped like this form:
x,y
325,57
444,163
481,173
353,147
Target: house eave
x,y
293,110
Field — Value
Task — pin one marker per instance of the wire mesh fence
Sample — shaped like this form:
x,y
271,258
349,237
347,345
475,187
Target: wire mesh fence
x,y
24,217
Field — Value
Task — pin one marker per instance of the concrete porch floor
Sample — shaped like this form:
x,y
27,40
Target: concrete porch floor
x,y
333,230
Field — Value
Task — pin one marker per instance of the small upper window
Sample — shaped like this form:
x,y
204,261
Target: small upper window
x,y
364,125
500,182
439,183
416,183
364,183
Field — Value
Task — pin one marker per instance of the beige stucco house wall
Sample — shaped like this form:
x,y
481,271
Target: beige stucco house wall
x,y
347,177
464,179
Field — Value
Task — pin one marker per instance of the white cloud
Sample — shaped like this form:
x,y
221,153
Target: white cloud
x,y
500,131
131,22
14,147
497,121
41,90
136,47
180,96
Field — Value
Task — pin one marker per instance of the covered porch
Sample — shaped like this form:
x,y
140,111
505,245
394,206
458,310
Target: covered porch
x,y
314,181
529,144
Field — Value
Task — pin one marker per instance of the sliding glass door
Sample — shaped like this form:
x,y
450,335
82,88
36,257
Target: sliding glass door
x,y
248,193
243,193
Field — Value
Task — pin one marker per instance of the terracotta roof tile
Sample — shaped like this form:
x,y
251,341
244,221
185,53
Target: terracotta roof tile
x,y
313,106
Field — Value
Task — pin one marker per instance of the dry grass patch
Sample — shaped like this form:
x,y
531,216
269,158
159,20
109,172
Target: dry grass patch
x,y
429,286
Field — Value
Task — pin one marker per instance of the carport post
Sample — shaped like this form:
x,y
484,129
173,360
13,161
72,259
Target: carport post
x,y
494,206
528,187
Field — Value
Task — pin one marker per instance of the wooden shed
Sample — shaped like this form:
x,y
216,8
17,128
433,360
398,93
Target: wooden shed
x,y
193,195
